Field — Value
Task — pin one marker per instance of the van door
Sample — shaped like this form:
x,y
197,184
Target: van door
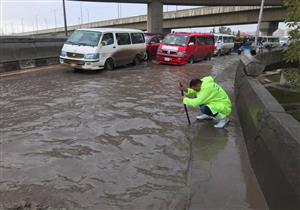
x,y
108,47
123,54
201,47
210,46
192,48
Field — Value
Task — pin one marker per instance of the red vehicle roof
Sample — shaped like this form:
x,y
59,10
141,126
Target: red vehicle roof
x,y
192,34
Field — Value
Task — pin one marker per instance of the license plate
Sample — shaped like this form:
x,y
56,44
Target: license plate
x,y
73,64
167,59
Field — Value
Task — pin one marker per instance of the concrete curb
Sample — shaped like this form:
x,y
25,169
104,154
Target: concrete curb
x,y
273,141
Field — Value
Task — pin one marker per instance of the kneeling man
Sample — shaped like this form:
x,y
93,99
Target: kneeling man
x,y
213,100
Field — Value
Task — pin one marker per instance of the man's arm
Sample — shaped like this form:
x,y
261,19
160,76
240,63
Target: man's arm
x,y
189,92
199,100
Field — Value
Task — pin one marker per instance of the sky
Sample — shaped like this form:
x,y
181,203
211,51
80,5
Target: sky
x,y
29,15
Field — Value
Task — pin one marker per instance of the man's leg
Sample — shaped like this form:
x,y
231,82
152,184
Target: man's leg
x,y
207,114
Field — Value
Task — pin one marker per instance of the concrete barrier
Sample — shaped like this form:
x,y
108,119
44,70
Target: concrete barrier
x,y
27,52
273,141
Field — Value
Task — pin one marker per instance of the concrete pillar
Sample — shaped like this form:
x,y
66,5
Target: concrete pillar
x,y
155,17
268,28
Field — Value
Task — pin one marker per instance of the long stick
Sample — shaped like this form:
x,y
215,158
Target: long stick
x,y
185,108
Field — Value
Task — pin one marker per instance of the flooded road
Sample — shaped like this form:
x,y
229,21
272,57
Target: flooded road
x,y
119,140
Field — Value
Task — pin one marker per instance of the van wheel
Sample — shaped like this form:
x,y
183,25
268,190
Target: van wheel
x,y
136,60
219,53
146,57
75,70
191,60
109,64
208,57
229,51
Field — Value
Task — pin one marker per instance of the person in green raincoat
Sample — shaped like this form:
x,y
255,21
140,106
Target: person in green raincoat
x,y
213,100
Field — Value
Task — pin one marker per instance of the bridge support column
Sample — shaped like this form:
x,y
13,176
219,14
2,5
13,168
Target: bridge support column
x,y
268,28
155,17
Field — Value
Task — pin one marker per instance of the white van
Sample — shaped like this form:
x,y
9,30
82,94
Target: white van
x,y
99,48
268,41
224,44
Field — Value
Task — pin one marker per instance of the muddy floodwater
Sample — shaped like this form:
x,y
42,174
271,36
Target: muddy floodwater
x,y
119,140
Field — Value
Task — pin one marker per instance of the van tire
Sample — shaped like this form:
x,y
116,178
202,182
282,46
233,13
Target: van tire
x,y
146,57
219,53
76,70
191,60
109,64
136,60
208,57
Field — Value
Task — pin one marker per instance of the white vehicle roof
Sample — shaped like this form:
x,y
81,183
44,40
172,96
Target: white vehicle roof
x,y
268,36
110,30
218,34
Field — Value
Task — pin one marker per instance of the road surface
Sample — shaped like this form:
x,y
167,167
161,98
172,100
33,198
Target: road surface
x,y
119,140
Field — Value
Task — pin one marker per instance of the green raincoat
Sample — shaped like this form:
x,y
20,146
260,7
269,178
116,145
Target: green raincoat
x,y
211,95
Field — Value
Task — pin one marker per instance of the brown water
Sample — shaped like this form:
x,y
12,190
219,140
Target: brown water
x,y
118,140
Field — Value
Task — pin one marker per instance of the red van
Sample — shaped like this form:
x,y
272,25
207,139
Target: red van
x,y
182,48
152,43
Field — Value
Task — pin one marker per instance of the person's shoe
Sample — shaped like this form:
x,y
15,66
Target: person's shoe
x,y
204,117
222,123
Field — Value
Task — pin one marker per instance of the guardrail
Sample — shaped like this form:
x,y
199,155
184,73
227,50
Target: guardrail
x,y
272,137
26,52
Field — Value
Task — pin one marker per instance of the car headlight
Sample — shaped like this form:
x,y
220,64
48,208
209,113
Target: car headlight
x,y
91,56
181,54
63,54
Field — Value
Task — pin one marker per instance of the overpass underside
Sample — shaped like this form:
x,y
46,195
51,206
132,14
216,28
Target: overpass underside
x,y
156,22
198,17
198,2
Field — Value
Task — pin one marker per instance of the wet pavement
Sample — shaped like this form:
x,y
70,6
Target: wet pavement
x,y
119,140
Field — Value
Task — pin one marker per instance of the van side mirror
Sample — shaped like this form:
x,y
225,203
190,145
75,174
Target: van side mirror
x,y
219,41
191,44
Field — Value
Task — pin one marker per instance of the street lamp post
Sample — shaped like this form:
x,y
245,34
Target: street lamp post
x,y
259,21
65,18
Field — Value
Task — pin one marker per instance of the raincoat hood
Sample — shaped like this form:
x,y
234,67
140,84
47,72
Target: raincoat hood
x,y
207,79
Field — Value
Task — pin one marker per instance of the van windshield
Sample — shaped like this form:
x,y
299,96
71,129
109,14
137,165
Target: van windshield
x,y
85,38
173,39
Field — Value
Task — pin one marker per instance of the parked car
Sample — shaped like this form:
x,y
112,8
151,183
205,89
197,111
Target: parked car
x,y
268,41
284,41
99,48
224,44
246,47
152,43
182,48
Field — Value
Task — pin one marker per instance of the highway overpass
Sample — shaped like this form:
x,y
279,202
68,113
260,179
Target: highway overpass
x,y
198,2
198,17
155,7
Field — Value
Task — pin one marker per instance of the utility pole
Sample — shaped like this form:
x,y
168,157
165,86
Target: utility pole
x,y
259,22
118,10
65,18
88,17
81,18
22,24
36,22
55,22
46,22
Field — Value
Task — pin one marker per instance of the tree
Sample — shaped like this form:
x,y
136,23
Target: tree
x,y
293,22
225,30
